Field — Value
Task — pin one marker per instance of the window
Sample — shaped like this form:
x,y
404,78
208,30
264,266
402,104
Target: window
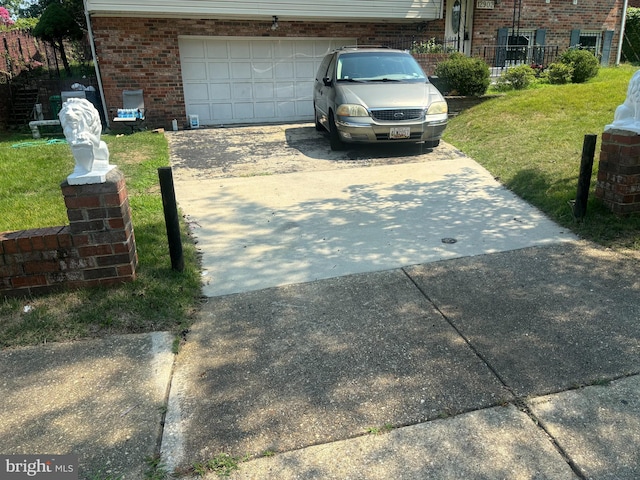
x,y
518,46
591,41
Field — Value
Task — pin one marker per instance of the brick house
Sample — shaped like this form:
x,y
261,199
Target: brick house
x,y
254,61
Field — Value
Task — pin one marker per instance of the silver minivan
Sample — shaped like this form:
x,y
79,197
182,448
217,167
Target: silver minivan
x,y
374,95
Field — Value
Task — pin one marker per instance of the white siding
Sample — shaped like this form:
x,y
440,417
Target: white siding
x,y
286,9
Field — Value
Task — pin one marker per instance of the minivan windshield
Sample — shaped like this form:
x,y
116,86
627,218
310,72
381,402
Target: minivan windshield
x,y
378,66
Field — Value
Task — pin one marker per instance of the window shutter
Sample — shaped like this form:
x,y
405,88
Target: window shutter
x,y
501,50
539,47
575,38
606,47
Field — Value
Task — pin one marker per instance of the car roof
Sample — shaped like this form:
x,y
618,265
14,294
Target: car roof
x,y
367,48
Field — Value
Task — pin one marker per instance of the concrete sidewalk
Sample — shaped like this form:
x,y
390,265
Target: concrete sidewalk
x,y
100,399
344,337
475,365
519,364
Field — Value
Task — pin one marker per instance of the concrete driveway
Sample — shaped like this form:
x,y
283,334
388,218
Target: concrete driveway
x,y
273,205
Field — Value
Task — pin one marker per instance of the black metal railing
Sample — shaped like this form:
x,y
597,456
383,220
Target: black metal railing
x,y
504,56
421,44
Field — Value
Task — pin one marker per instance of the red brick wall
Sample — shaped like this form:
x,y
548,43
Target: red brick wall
x,y
19,51
97,248
150,48
143,53
619,171
429,61
558,17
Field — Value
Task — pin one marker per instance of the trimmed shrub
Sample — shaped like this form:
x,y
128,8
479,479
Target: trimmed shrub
x,y
631,43
464,75
517,78
585,64
559,73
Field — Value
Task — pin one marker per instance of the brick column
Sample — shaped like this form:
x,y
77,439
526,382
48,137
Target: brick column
x,y
618,183
101,230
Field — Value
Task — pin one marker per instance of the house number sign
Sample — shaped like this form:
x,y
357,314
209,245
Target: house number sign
x,y
485,4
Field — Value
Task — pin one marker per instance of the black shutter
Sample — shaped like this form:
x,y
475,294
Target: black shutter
x,y
575,38
539,47
606,47
501,49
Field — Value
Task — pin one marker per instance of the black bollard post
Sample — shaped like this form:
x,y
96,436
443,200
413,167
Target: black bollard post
x,y
584,179
171,218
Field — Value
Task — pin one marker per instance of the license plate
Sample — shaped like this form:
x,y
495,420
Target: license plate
x,y
399,132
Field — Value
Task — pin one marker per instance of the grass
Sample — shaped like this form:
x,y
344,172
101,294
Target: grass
x,y
387,427
222,465
159,299
531,141
156,470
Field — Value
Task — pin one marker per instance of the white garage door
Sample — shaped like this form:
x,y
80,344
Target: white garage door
x,y
251,80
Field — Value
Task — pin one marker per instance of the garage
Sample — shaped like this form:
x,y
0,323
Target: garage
x,y
231,80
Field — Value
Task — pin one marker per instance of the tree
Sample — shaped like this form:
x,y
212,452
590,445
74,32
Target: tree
x,y
631,44
13,6
35,9
5,17
56,25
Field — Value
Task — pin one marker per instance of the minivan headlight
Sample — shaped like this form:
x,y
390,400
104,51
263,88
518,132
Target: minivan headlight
x,y
351,110
437,108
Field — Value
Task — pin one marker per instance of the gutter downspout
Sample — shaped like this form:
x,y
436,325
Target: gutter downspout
x,y
622,27
95,63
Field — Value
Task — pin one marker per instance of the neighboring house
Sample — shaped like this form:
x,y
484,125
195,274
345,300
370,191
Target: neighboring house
x,y
254,61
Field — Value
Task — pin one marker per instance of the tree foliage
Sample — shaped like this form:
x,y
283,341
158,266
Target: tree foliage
x,y
5,17
13,6
57,24
631,42
74,7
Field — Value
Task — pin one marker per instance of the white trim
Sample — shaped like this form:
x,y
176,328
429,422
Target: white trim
x,y
622,29
96,65
353,10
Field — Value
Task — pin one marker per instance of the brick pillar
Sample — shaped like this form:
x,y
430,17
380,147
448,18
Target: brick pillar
x,y
101,230
618,183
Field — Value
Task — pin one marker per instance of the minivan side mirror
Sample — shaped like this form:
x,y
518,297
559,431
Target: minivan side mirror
x,y
327,81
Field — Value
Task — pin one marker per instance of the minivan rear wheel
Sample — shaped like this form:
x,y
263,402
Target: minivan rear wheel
x,y
334,136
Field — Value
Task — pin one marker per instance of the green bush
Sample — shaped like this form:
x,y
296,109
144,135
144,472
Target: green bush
x,y
559,73
464,75
516,78
585,64
429,46
631,43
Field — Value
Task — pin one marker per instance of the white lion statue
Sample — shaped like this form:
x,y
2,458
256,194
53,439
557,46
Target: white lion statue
x,y
627,116
82,127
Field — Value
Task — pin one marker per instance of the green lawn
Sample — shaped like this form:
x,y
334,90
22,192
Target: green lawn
x,y
532,141
159,299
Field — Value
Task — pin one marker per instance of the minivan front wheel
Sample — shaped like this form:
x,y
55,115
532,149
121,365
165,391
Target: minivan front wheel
x,y
334,136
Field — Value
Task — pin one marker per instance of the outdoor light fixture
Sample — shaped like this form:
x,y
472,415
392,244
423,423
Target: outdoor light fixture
x,y
274,25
